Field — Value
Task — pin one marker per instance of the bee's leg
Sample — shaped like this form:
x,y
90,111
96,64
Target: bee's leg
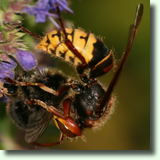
x,y
49,144
64,122
65,118
50,109
61,90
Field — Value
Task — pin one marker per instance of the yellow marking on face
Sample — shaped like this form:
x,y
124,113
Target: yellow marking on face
x,y
88,49
68,125
55,122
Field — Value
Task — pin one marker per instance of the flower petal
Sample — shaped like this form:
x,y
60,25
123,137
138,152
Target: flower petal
x,y
41,9
8,65
6,73
41,5
62,4
26,60
40,18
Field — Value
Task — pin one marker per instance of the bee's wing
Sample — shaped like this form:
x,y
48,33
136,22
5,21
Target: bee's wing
x,y
37,123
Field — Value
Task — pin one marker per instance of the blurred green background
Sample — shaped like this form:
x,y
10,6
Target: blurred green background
x,y
129,126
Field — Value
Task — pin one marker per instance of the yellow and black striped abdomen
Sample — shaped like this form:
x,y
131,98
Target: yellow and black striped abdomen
x,y
94,51
54,44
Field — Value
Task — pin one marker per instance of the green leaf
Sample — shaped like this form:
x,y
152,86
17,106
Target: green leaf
x,y
4,4
3,31
20,34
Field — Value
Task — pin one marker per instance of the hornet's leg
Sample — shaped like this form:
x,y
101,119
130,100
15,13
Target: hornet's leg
x,y
49,144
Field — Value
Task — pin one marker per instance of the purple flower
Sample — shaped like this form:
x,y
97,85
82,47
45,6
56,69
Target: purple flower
x,y
38,9
62,4
41,10
6,73
8,65
26,59
6,69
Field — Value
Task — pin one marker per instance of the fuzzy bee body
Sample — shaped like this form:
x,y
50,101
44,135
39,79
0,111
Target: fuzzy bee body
x,y
33,119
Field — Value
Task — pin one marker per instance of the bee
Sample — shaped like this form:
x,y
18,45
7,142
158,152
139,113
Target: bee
x,y
39,97
33,119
